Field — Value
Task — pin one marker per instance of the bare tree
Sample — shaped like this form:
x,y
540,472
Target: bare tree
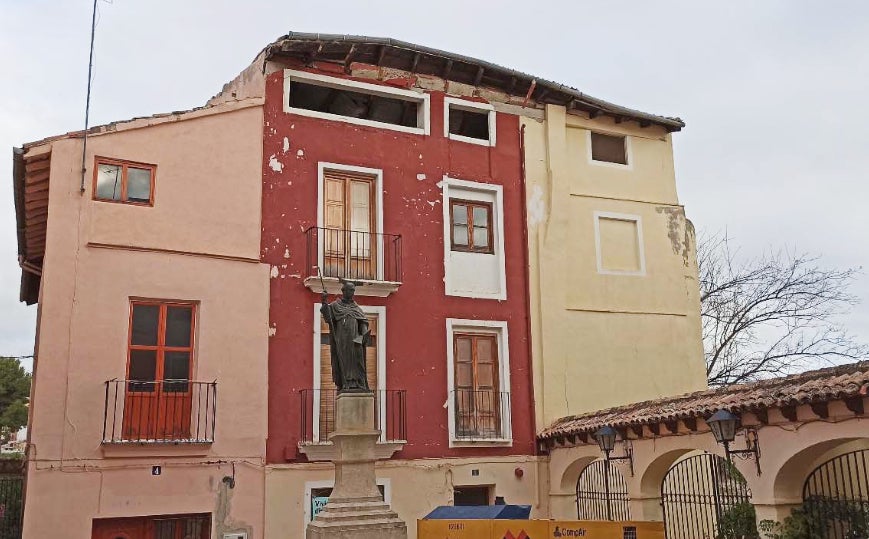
x,y
771,315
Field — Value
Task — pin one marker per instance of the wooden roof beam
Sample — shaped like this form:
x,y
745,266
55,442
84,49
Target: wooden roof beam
x,y
479,75
415,63
855,404
820,409
348,59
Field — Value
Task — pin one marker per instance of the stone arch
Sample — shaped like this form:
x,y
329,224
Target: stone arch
x,y
653,476
789,478
572,471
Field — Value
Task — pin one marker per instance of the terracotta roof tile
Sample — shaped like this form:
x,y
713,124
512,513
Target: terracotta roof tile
x,y
820,385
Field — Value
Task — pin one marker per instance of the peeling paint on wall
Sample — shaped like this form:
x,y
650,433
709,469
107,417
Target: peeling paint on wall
x,y
275,165
536,207
420,177
681,235
274,272
286,144
224,523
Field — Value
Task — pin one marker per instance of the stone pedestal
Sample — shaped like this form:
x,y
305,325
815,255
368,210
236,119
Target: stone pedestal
x,y
356,509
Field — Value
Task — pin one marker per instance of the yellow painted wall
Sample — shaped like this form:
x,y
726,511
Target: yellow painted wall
x,y
417,487
602,338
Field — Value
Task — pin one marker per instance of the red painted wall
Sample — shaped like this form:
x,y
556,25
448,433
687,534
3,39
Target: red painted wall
x,y
415,314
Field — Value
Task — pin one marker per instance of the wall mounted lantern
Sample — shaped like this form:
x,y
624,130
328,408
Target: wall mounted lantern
x,y
606,439
723,425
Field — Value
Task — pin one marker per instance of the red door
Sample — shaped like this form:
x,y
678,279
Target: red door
x,y
158,402
168,527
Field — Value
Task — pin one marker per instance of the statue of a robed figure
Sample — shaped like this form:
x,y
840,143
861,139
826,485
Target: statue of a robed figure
x,y
349,335
356,509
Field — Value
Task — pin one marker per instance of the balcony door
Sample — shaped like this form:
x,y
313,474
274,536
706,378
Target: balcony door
x,y
477,395
350,242
328,390
158,400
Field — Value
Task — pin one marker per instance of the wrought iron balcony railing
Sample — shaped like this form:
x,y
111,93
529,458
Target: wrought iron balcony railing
x,y
481,414
354,255
159,411
317,415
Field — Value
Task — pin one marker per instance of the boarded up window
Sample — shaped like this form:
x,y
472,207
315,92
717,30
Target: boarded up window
x,y
327,386
609,148
619,245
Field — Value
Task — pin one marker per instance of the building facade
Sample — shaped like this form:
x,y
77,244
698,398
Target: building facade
x,y
146,268
518,247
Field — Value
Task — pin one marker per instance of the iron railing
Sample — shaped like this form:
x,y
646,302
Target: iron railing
x,y
159,411
351,254
602,493
836,497
481,414
317,415
11,497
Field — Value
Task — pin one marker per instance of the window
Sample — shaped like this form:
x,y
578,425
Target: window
x,y
477,495
469,121
158,402
609,148
309,94
471,223
478,373
349,239
124,181
619,244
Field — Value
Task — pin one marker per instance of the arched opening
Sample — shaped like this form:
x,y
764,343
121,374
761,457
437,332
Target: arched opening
x,y
571,473
836,497
602,493
704,495
650,483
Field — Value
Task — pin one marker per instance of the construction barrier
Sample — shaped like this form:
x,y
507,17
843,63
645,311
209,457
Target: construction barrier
x,y
537,529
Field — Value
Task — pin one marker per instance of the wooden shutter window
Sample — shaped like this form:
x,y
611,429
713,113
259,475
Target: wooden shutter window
x,y
477,395
471,226
348,222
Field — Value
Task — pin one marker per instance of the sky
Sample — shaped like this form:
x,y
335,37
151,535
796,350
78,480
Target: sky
x,y
773,93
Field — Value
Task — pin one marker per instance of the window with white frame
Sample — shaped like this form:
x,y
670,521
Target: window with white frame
x,y
317,494
473,214
478,372
332,98
618,239
609,149
469,121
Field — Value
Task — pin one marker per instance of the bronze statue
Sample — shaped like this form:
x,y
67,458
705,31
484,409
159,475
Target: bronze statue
x,y
349,334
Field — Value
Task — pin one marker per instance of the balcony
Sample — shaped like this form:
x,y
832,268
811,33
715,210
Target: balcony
x,y
481,416
159,412
370,259
317,422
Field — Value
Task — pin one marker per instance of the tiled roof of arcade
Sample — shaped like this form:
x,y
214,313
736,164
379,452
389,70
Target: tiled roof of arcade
x,y
845,382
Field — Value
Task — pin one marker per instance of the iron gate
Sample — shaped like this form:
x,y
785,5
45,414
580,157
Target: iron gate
x,y
602,493
836,497
10,506
705,497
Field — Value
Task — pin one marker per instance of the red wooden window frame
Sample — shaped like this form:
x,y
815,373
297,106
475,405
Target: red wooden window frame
x,y
125,166
470,247
160,347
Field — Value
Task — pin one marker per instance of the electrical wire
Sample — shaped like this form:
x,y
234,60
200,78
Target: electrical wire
x,y
87,107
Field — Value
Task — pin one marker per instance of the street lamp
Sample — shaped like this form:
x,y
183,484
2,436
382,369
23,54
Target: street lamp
x,y
606,440
723,425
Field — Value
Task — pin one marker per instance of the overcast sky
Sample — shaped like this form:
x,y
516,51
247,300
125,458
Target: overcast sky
x,y
773,92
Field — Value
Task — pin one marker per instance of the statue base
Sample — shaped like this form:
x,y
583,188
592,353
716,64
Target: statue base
x,y
356,509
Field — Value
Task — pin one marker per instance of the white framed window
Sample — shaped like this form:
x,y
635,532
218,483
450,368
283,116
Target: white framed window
x,y
320,408
610,150
478,383
317,492
469,121
373,105
618,242
474,273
